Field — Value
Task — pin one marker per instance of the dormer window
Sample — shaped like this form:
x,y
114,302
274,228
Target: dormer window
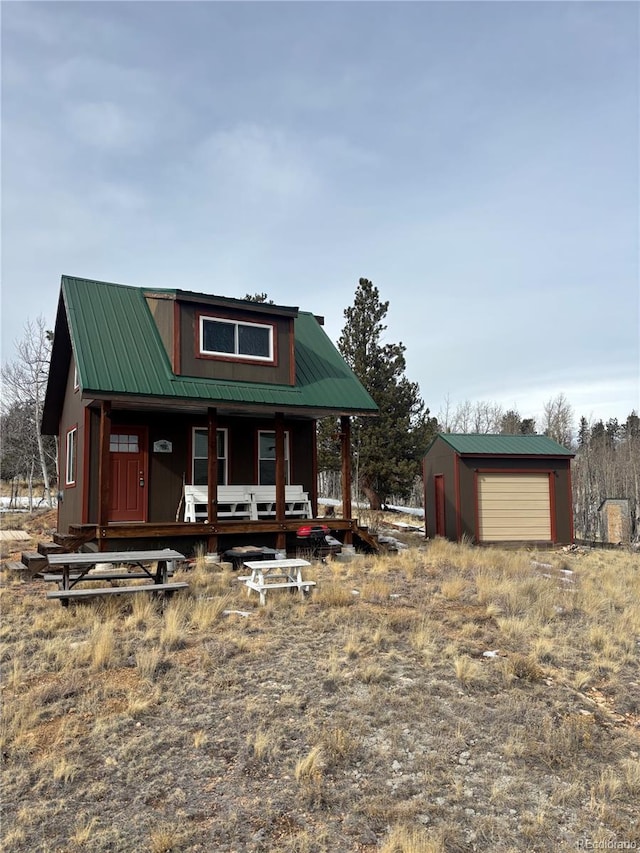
x,y
236,339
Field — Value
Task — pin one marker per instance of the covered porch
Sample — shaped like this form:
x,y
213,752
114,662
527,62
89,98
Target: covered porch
x,y
213,529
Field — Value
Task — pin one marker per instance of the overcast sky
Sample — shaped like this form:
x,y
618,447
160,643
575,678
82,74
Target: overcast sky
x,y
478,161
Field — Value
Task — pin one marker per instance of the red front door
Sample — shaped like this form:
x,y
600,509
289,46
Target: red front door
x,y
439,484
128,473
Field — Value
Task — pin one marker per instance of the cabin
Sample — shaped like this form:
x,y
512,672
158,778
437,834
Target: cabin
x,y
187,417
498,489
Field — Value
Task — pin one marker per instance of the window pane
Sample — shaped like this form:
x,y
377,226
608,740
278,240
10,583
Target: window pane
x,y
267,472
201,455
200,442
253,340
267,445
71,457
199,472
217,337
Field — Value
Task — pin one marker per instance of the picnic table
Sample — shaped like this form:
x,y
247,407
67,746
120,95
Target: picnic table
x,y
72,569
275,574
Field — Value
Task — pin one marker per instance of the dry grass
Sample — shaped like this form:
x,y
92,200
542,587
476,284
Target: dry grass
x,y
464,699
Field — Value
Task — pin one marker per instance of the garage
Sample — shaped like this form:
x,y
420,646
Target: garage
x,y
514,507
498,489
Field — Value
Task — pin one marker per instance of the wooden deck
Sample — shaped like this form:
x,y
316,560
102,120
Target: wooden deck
x,y
219,536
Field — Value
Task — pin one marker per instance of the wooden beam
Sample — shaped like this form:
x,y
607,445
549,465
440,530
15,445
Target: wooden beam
x,y
313,495
198,529
280,478
280,469
212,465
104,473
345,446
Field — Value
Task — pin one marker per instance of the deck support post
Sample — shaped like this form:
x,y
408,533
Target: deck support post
x,y
281,538
345,445
212,465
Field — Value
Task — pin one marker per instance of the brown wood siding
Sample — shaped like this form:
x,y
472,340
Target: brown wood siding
x,y
235,371
70,508
162,313
302,449
94,463
440,460
167,470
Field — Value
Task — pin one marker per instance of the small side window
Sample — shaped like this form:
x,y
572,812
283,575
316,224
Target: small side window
x,y
71,459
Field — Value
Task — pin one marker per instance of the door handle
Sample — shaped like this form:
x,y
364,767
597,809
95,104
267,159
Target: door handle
x,y
142,482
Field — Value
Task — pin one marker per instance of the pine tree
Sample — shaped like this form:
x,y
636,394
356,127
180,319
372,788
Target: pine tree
x,y
388,449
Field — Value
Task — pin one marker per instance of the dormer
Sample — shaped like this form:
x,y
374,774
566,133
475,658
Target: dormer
x,y
212,337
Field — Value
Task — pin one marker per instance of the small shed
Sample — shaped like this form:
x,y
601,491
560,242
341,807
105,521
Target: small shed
x,y
498,488
615,521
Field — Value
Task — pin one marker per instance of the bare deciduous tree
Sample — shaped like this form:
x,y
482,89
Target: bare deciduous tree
x,y
558,420
24,382
479,417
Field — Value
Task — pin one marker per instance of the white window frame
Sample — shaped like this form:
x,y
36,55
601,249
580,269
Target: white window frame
x,y
287,472
223,461
236,324
71,457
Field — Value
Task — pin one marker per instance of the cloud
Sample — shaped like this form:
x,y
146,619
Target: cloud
x,y
82,76
106,125
260,162
32,21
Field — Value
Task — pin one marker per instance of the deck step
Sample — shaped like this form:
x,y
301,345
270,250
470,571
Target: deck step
x,y
70,543
34,561
17,568
49,548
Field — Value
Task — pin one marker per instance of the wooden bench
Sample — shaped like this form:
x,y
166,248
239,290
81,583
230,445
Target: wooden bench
x,y
98,576
275,574
263,501
233,502
154,566
66,594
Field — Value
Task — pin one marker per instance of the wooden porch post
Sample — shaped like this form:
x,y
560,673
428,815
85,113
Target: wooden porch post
x,y
281,539
212,475
345,445
314,468
104,473
212,465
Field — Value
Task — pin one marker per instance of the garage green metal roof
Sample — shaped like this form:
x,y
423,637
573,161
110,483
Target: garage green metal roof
x,y
118,351
504,445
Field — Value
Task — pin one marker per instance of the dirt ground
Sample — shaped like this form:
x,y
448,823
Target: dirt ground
x,y
444,698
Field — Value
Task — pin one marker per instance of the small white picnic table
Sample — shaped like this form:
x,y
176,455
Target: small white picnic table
x,y
71,569
275,574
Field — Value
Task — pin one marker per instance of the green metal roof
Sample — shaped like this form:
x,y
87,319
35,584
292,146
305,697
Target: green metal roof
x,y
504,445
118,351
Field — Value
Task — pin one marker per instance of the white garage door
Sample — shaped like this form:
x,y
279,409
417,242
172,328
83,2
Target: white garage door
x,y
514,507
